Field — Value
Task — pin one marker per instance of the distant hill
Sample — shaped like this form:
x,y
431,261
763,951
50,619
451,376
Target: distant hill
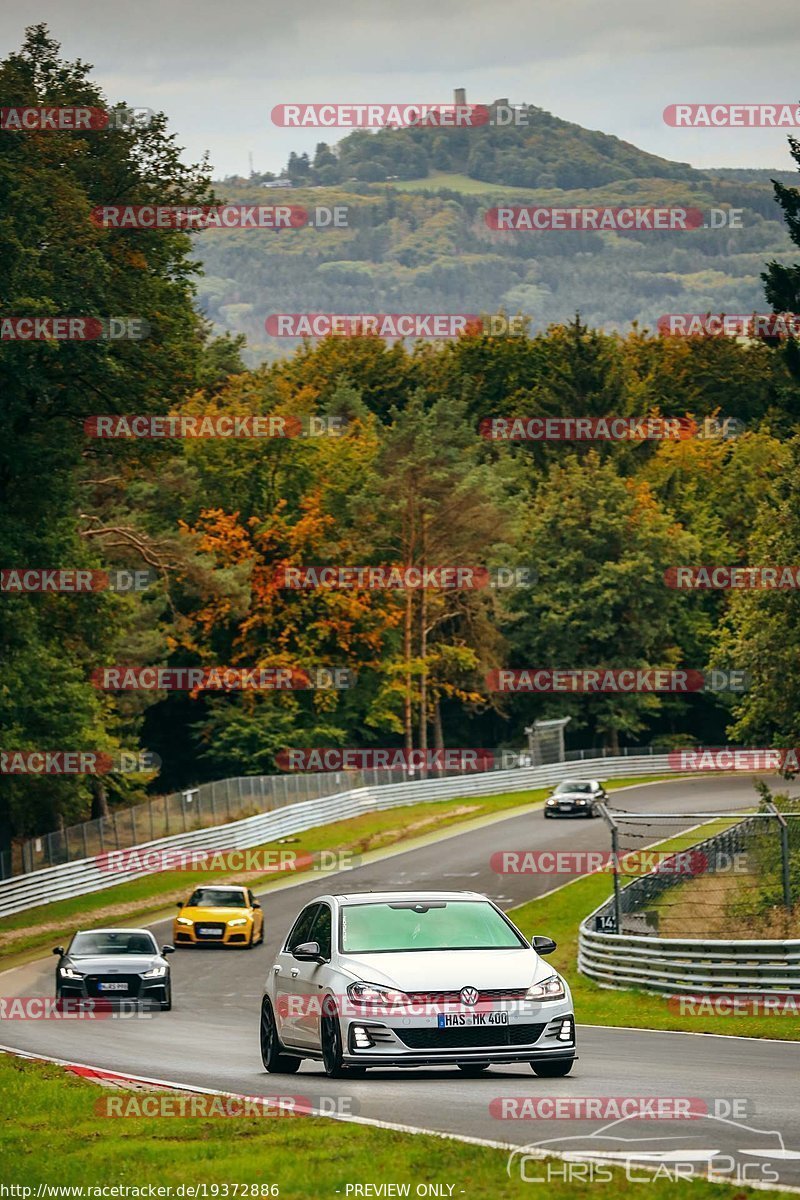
x,y
420,242
542,152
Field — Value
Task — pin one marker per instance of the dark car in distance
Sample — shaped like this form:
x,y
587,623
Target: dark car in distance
x,y
575,798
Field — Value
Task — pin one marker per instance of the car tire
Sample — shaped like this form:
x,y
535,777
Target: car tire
x,y
552,1070
249,945
330,1038
473,1068
272,1055
260,941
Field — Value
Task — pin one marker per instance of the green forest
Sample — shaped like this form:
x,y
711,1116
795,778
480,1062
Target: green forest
x,y
402,476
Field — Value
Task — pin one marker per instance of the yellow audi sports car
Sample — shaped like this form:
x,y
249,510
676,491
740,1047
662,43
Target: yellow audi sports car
x,y
223,915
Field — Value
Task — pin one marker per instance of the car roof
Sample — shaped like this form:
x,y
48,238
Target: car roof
x,y
419,896
115,929
221,887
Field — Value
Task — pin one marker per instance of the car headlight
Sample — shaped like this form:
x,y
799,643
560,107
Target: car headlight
x,y
183,921
581,802
156,973
238,921
551,988
68,973
374,993
552,800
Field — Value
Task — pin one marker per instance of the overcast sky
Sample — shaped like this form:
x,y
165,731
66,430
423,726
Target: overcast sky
x,y
217,69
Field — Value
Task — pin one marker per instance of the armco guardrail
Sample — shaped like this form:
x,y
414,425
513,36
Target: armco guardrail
x,y
684,965
87,875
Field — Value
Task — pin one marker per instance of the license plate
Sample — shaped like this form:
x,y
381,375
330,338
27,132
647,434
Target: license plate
x,y
113,987
448,1020
566,807
205,929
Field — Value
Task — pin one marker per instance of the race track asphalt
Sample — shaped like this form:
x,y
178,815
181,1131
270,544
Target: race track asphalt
x,y
210,1038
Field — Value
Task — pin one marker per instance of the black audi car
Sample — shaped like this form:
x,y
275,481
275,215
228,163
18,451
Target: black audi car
x,y
113,965
575,798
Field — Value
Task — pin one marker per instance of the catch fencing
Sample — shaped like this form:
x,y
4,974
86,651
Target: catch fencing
x,y
611,954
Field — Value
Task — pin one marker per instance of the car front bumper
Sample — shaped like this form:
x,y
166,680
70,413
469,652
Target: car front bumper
x,y
138,990
187,935
535,1032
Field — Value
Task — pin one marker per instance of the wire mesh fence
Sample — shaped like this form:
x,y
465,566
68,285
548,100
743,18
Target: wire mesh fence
x,y
742,879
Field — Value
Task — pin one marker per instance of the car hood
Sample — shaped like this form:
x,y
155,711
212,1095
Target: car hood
x,y
213,914
114,964
448,970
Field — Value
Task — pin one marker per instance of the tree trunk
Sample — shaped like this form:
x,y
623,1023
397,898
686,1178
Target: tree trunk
x,y
99,798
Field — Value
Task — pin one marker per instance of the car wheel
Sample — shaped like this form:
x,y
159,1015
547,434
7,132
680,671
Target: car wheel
x,y
552,1070
331,1041
272,1056
260,941
472,1068
249,945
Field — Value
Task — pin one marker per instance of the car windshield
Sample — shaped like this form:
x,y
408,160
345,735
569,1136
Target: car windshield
x,y
426,925
217,898
573,786
85,945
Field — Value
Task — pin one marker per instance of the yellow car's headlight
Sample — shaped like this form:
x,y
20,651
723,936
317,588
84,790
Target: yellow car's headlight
x,y
183,921
238,921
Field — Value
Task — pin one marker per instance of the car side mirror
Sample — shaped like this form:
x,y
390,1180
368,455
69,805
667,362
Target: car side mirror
x,y
307,952
543,945
256,904
181,904
58,950
167,949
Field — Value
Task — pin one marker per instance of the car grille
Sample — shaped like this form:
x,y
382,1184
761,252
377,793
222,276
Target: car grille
x,y
217,930
486,996
470,1036
93,988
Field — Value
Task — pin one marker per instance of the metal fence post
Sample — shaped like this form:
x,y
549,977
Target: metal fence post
x,y
783,825
612,825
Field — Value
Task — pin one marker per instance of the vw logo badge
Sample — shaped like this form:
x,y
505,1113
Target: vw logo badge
x,y
469,995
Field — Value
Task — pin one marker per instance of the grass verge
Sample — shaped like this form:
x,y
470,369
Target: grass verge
x,y
559,915
57,1138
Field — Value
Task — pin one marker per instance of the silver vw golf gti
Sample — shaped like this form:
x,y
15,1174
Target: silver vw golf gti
x,y
412,979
